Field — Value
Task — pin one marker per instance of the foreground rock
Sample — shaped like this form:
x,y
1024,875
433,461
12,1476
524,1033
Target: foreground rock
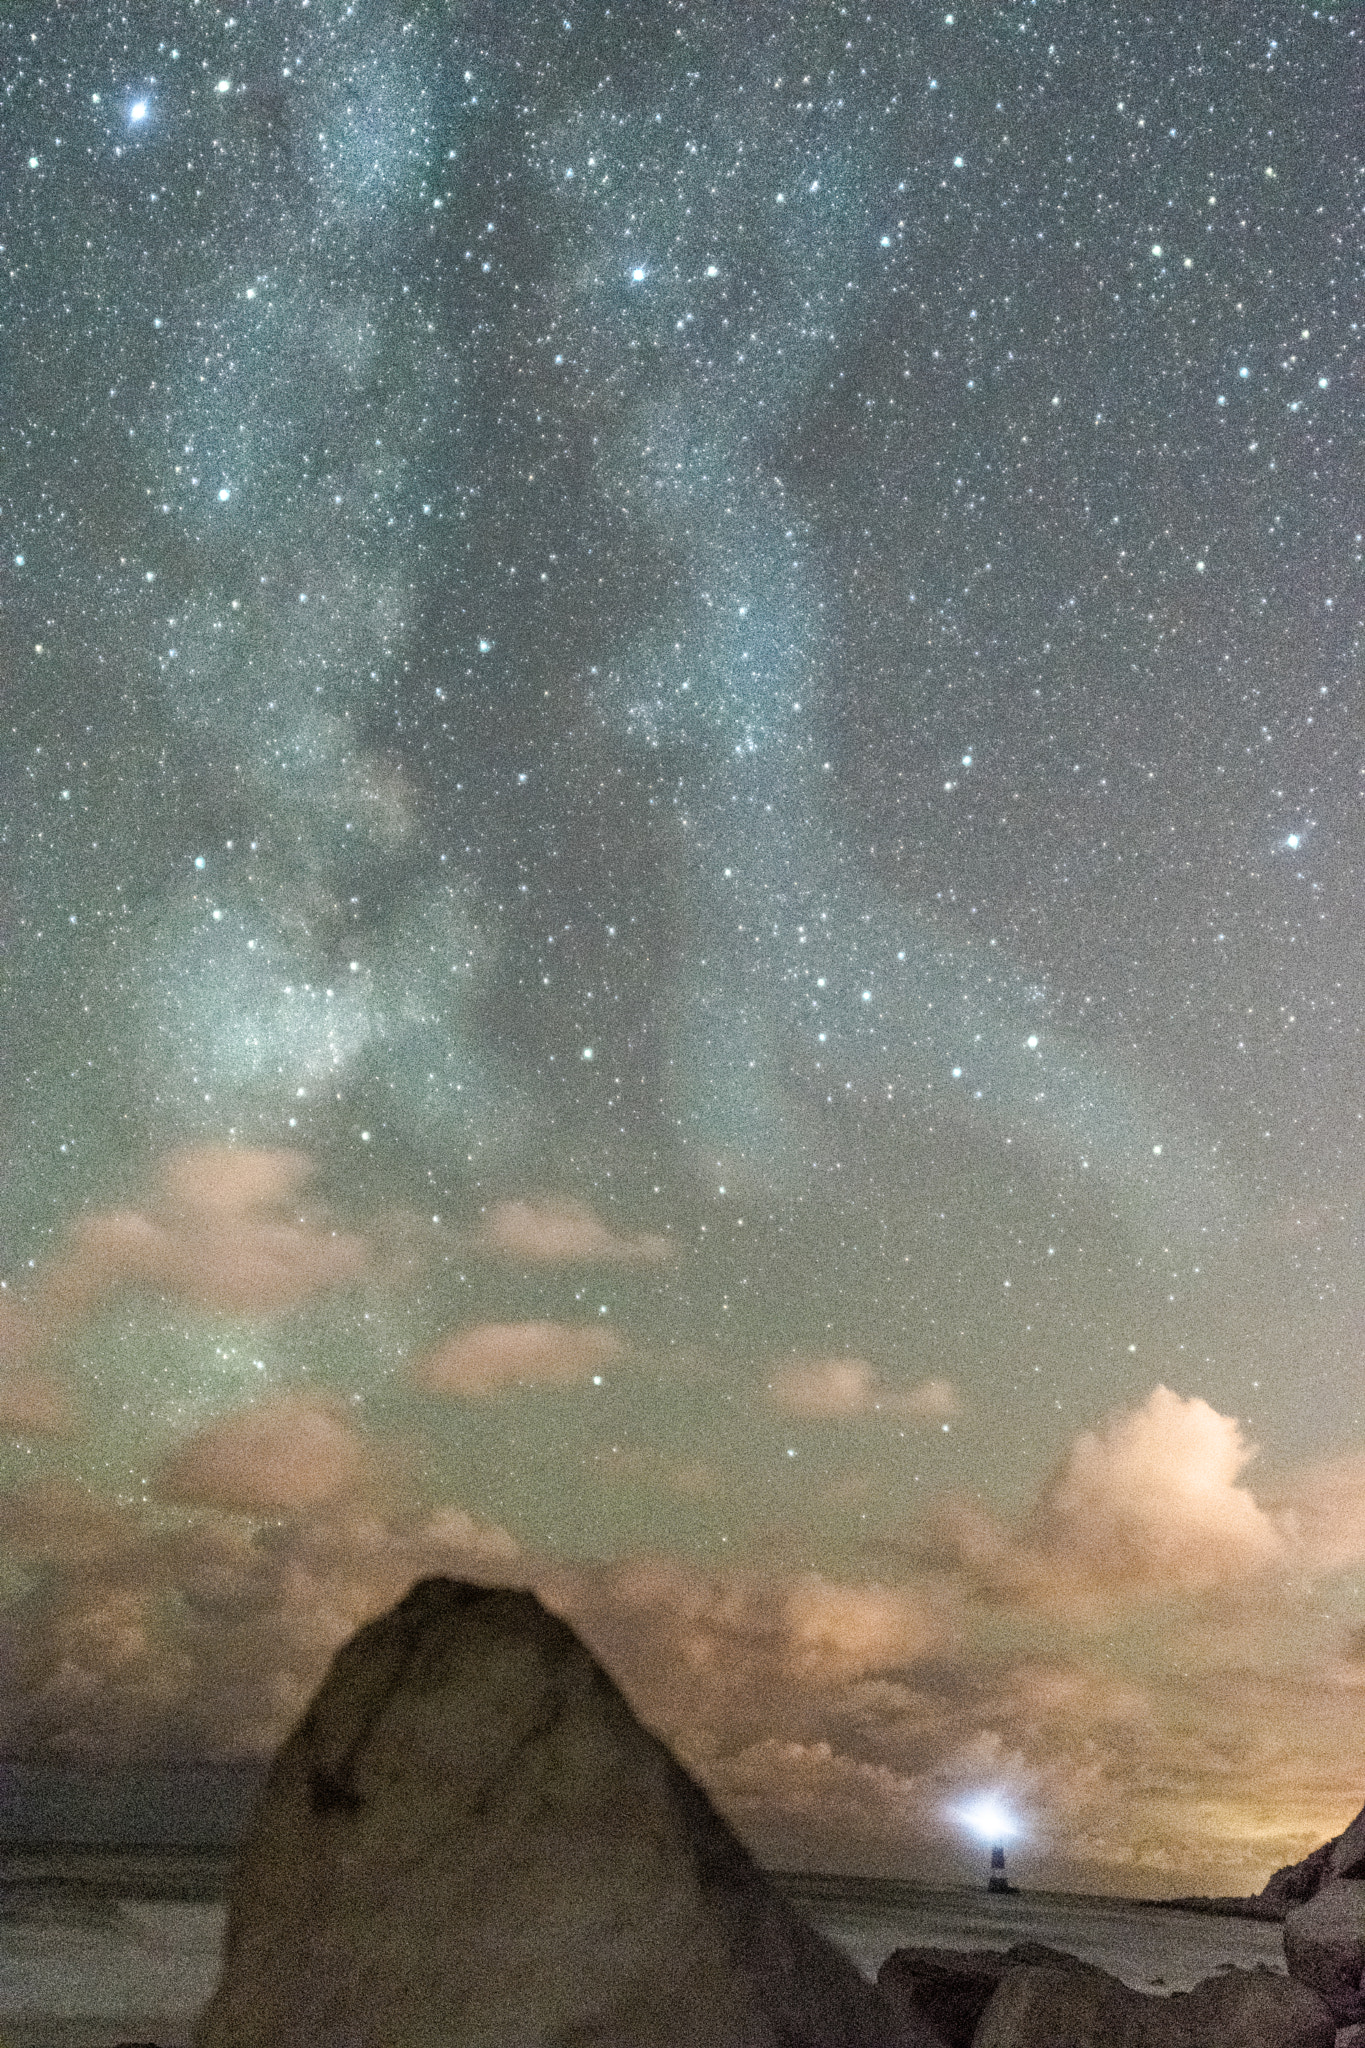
x,y
1343,1856
1324,1946
470,1839
948,1989
1082,2008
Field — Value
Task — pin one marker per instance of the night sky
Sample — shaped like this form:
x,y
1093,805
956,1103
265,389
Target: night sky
x,y
681,820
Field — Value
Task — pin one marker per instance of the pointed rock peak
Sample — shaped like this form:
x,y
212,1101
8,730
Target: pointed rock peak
x,y
470,1838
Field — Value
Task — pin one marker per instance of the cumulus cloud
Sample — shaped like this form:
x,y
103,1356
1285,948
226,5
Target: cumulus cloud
x,y
562,1232
223,1230
1154,1496
135,1639
1321,1509
1149,1504
490,1357
839,1721
712,1659
281,1454
833,1389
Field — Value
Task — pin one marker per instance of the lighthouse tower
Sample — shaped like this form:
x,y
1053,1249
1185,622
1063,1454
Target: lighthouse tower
x,y
990,1820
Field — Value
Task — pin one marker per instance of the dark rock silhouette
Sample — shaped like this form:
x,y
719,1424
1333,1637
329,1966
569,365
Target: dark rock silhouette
x,y
469,1838
1324,1946
949,1989
1343,1856
1074,2007
1031,1996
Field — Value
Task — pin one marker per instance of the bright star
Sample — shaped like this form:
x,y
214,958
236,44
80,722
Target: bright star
x,y
638,275
138,111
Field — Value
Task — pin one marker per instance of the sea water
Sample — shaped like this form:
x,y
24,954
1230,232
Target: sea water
x,y
102,1946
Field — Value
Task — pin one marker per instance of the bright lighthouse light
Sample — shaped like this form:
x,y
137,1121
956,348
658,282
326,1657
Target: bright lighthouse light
x,y
990,1820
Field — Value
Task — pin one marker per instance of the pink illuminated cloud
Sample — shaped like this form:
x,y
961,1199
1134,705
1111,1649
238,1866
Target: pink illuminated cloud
x,y
1151,1503
833,1389
282,1454
224,1230
490,1357
562,1232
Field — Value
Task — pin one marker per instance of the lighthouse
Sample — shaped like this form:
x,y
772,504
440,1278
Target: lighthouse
x,y
991,1821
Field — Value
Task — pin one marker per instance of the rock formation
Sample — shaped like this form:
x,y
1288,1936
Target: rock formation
x,y
1324,1946
948,1989
470,1839
1343,1856
1083,2008
1035,1997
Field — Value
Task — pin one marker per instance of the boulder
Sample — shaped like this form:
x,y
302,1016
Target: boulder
x,y
1052,2008
1343,1856
948,1989
1241,2009
470,1839
1348,1850
1296,1883
1324,1946
1042,2004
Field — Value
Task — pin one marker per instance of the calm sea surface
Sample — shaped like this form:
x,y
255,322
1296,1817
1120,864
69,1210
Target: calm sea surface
x,y
100,1946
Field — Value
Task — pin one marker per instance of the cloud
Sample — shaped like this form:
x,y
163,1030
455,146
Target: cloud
x,y
838,1722
30,1404
1321,1509
33,1406
815,1794
833,1389
19,1333
223,1231
490,1357
713,1659
1148,1505
562,1232
138,1640
282,1454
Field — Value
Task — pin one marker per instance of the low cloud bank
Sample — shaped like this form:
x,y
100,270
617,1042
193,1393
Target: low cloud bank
x,y
1131,1661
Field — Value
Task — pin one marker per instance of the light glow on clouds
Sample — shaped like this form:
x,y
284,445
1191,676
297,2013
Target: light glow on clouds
x,y
802,1699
